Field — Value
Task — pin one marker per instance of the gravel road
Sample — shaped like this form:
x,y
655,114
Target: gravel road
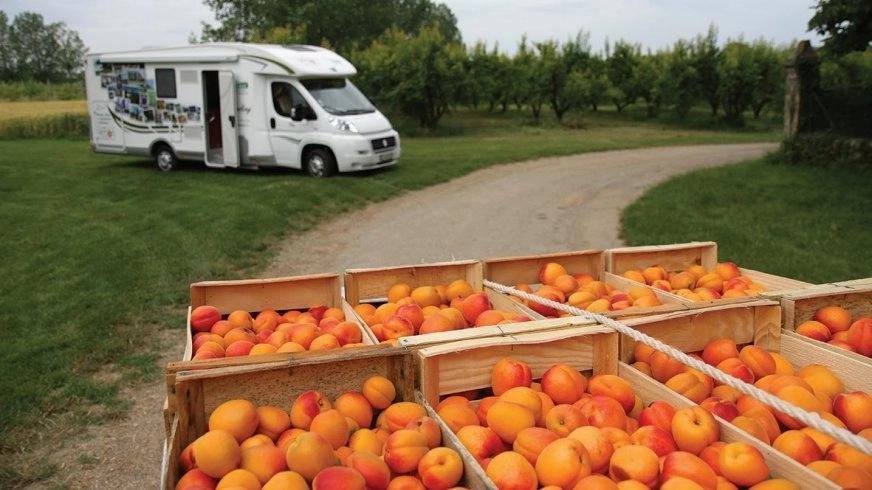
x,y
547,205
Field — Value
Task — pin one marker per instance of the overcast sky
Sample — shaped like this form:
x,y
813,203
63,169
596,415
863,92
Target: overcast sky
x,y
111,25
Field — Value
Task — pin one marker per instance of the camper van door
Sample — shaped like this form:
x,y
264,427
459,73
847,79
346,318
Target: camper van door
x,y
228,152
285,133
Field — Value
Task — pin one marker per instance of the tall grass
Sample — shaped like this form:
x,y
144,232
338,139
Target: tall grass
x,y
13,91
43,119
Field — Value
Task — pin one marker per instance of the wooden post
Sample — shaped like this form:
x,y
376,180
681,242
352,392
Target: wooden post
x,y
801,82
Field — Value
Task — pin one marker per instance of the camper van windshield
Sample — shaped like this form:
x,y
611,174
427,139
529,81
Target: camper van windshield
x,y
338,96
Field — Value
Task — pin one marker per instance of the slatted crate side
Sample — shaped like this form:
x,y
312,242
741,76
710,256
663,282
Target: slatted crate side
x,y
671,257
859,283
474,477
464,365
780,465
525,268
368,285
775,284
757,322
854,370
504,330
281,293
800,306
198,392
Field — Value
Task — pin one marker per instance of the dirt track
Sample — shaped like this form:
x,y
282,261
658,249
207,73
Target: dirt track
x,y
546,205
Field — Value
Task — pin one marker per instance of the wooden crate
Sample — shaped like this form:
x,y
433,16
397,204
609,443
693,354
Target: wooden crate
x,y
461,366
800,306
780,465
746,324
753,322
280,294
371,286
512,271
200,391
682,255
464,365
525,268
255,295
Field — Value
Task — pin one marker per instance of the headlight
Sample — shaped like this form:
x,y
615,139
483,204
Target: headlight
x,y
342,125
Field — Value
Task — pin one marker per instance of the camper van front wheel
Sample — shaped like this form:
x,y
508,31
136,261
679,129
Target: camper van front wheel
x,y
165,158
320,163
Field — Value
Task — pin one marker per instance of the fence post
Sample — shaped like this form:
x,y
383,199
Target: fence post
x,y
802,80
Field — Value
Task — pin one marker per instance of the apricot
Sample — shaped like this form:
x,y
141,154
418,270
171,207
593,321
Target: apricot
x,y
263,461
599,447
615,387
836,318
562,463
508,419
456,415
217,452
798,445
374,470
398,291
633,462
338,477
310,453
510,470
239,479
379,391
398,415
403,450
237,416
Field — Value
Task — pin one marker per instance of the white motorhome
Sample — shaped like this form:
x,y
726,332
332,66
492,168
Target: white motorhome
x,y
237,105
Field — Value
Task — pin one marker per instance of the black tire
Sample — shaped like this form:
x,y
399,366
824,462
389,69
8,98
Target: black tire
x,y
319,163
165,158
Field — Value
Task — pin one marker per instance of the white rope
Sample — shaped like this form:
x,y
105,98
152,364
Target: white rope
x,y
808,418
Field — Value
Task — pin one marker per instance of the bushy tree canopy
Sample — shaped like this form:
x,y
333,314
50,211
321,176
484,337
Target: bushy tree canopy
x,y
845,24
36,51
340,24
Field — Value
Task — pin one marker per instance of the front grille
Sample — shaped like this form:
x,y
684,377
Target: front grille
x,y
381,144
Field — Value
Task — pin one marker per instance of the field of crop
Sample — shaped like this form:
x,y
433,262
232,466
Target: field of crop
x,y
41,108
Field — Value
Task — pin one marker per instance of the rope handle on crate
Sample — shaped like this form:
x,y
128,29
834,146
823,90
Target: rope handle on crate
x,y
808,418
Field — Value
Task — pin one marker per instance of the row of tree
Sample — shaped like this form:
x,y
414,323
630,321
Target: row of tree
x,y
35,51
426,75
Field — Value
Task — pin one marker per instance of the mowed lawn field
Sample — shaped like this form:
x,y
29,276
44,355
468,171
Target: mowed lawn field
x,y
100,250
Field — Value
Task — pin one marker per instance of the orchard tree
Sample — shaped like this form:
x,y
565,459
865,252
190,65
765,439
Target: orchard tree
x,y
681,82
738,75
420,76
530,80
487,77
706,59
650,76
36,51
621,70
559,62
598,82
846,25
344,24
7,60
769,74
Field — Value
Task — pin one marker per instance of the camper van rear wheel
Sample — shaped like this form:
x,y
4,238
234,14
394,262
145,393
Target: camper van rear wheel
x,y
165,158
320,163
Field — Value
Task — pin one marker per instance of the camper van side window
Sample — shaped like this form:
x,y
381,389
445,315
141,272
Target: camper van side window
x,y
165,79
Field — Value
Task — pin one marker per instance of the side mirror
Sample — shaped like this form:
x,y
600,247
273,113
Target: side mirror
x,y
298,112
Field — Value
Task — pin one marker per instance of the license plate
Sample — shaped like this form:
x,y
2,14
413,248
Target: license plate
x,y
386,157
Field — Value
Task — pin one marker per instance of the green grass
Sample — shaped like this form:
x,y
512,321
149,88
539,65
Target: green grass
x,y
99,250
807,223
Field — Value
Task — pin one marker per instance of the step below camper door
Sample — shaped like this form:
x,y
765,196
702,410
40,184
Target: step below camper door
x,y
224,150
